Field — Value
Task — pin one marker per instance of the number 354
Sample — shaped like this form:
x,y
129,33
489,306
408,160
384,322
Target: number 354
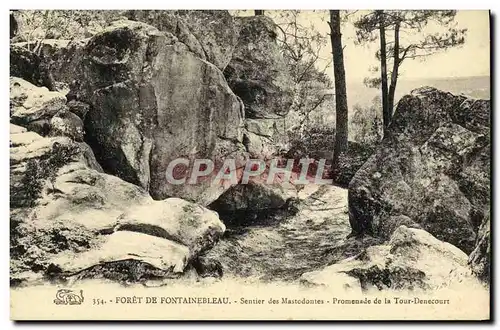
x,y
98,301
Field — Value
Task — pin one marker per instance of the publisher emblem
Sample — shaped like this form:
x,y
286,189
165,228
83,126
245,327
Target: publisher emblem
x,y
68,297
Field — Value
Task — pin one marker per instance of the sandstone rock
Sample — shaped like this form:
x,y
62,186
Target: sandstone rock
x,y
66,123
210,34
254,197
89,157
348,163
256,203
34,165
60,58
124,245
433,167
412,259
480,258
338,282
63,206
29,102
44,50
14,129
152,101
91,199
13,25
208,267
27,65
39,126
169,21
104,203
78,108
178,220
264,137
257,72
265,127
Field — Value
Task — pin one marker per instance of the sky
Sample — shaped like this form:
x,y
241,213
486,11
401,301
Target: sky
x,y
470,59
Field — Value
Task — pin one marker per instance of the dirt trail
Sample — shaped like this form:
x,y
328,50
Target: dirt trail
x,y
291,245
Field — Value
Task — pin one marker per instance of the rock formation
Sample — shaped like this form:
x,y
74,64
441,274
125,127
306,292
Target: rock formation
x,y
68,217
480,258
151,101
257,73
412,259
432,171
210,34
131,75
140,93
27,65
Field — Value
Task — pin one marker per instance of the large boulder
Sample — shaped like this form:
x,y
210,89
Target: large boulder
x,y
27,65
412,259
67,217
254,197
210,34
29,103
152,100
349,162
175,219
433,167
35,160
257,72
264,138
125,245
66,123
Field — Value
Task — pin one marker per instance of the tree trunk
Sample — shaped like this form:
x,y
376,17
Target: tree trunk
x,y
383,71
395,68
13,25
340,87
259,12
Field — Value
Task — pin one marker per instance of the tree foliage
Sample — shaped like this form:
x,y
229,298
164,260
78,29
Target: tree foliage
x,y
412,23
408,37
62,24
301,43
366,123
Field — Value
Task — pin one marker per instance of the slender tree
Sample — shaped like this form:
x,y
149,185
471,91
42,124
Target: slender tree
x,y
259,12
386,113
418,43
395,69
340,87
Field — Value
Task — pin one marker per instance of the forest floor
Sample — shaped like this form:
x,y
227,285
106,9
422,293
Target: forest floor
x,y
285,247
261,263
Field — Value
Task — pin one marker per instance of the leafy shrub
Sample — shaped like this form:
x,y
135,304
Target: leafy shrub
x,y
42,169
366,125
61,24
315,142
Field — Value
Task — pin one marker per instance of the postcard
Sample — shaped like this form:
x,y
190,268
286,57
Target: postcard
x,y
250,165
